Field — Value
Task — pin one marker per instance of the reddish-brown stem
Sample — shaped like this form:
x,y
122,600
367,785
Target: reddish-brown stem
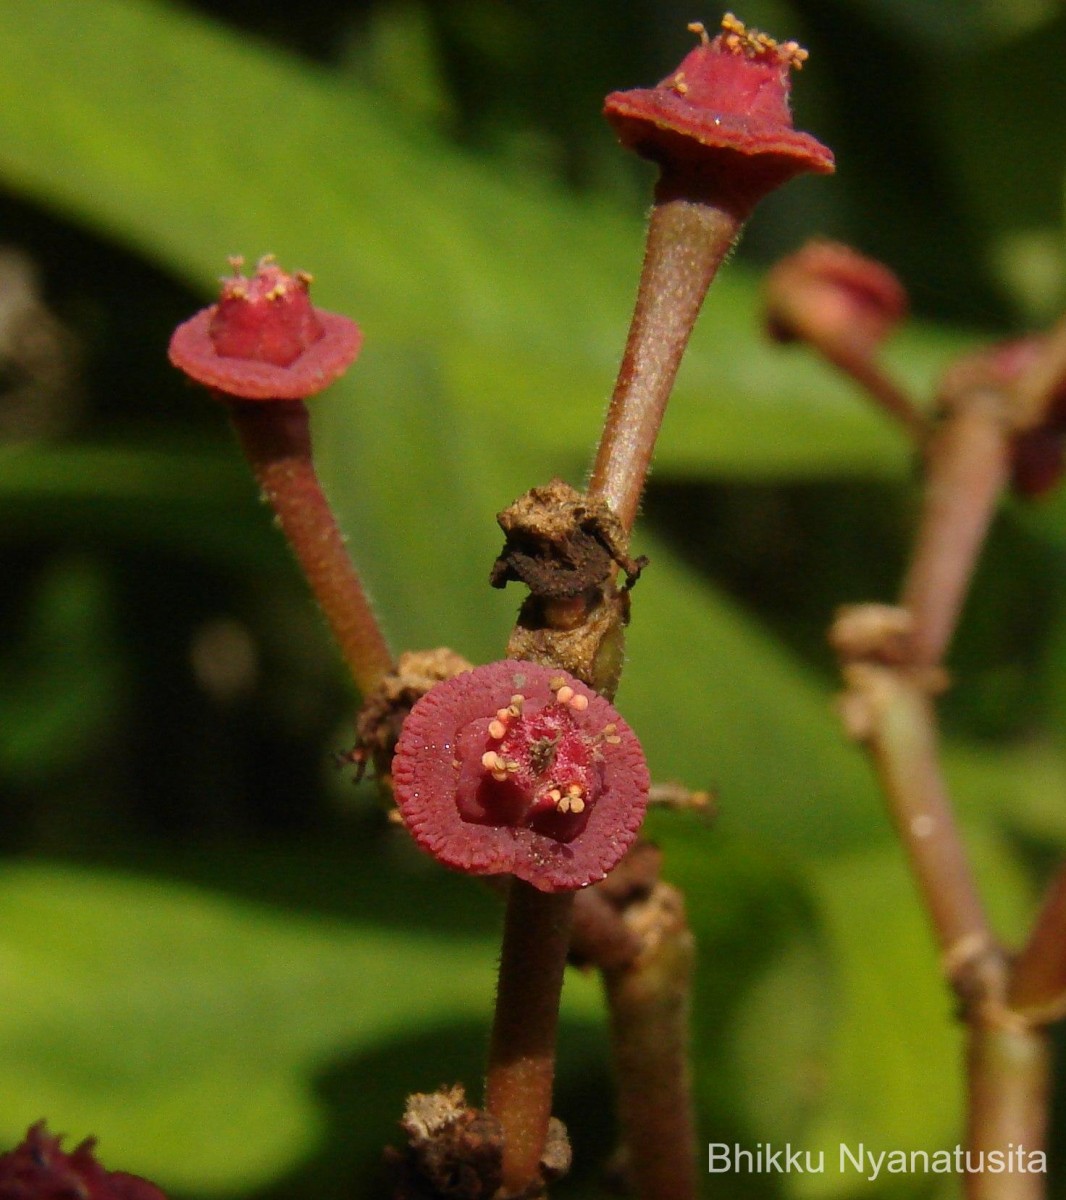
x,y
968,467
1037,988
902,740
879,385
889,706
276,439
687,241
649,1006
1009,1073
518,1090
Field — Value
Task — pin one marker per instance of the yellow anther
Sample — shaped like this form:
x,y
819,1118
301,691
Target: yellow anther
x,y
571,804
678,84
578,702
555,795
497,729
491,761
698,27
517,700
575,789
565,694
557,682
276,292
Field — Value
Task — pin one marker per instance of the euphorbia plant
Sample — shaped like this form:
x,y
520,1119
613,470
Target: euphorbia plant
x,y
522,769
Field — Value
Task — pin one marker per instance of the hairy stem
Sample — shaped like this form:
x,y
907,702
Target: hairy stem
x,y
649,1001
687,241
521,1070
276,440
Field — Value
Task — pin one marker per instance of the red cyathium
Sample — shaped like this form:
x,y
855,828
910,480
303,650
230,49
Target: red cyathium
x,y
721,122
519,768
38,1169
264,340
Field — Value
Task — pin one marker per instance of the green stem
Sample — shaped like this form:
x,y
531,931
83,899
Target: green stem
x,y
276,439
521,1070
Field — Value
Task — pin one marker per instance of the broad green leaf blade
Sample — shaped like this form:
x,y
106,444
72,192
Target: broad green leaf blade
x,y
187,1030
190,143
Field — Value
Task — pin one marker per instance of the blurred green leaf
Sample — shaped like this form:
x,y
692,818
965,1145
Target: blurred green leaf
x,y
520,292
165,1018
57,689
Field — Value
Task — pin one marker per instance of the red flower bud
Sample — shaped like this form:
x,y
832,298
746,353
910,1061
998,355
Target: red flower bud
x,y
828,293
38,1169
264,340
721,123
519,768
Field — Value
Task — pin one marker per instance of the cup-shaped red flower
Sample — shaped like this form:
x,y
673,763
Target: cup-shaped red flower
x,y
39,1169
264,340
263,349
720,129
516,768
721,123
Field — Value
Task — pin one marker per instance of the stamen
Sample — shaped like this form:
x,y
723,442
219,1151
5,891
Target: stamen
x,y
497,730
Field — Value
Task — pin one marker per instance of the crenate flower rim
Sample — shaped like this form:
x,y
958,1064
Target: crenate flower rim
x,y
517,768
729,97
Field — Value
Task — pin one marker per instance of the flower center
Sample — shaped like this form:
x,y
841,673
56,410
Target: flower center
x,y
268,318
532,766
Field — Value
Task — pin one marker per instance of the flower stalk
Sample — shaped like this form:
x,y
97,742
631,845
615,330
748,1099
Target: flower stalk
x,y
521,1071
276,441
262,350
687,242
